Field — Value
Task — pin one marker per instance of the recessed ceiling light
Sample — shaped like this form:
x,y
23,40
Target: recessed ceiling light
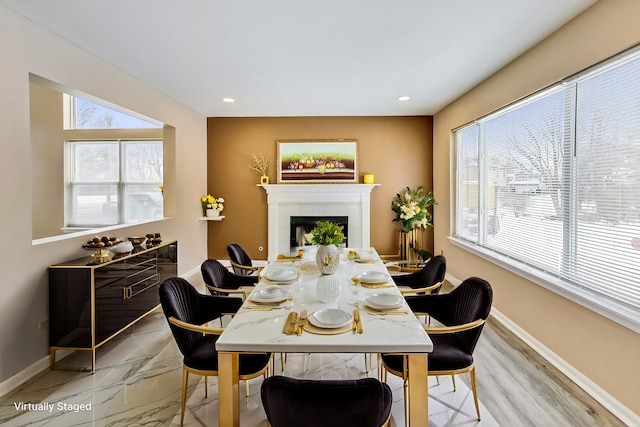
x,y
228,100
404,98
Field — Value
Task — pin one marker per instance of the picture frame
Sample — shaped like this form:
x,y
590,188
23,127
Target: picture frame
x,y
317,161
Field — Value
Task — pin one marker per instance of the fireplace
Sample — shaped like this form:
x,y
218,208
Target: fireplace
x,y
318,200
301,225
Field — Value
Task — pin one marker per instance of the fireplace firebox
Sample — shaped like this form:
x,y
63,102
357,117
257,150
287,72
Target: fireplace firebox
x,y
301,225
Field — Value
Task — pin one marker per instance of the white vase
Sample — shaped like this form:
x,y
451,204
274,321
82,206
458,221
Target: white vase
x,y
211,213
328,259
328,289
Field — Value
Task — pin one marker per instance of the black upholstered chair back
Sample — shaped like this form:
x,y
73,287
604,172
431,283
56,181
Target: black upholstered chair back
x,y
181,300
290,402
218,276
433,272
215,274
238,255
468,302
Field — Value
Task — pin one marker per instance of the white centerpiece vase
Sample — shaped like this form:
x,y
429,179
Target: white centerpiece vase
x,y
328,289
328,259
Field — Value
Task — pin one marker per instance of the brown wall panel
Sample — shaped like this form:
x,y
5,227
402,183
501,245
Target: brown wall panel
x,y
397,150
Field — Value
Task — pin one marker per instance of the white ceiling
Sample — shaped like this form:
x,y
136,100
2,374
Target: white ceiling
x,y
303,57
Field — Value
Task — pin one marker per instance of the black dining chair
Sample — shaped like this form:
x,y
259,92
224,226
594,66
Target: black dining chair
x,y
241,263
462,312
427,280
187,311
220,281
289,402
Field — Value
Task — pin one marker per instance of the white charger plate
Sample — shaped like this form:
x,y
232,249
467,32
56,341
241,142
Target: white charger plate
x,y
330,318
268,294
373,277
281,274
384,301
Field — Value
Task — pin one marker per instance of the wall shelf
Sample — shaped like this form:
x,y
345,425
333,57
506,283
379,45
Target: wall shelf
x,y
211,218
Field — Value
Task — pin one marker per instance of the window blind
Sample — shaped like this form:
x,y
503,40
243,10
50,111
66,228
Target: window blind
x,y
553,182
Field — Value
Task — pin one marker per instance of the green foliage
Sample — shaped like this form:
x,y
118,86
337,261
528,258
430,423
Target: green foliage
x,y
410,206
327,233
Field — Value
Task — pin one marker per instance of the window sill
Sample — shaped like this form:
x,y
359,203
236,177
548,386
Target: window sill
x,y
618,313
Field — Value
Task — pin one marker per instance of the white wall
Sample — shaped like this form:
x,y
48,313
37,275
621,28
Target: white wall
x,y
26,48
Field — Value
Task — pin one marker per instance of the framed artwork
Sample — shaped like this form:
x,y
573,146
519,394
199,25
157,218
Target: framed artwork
x,y
319,161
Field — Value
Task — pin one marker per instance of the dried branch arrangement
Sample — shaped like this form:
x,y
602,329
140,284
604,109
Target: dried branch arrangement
x,y
259,164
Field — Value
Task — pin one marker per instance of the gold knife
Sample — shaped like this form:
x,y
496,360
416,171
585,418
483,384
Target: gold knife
x,y
355,323
358,322
261,308
291,323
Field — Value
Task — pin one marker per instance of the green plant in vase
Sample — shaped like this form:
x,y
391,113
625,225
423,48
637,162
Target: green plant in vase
x,y
327,235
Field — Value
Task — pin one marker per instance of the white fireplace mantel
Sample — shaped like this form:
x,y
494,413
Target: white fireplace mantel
x,y
287,200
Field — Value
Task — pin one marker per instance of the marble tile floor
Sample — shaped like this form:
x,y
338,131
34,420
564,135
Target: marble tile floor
x,y
138,383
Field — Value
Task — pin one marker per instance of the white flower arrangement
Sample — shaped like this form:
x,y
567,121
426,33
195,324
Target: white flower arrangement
x,y
210,202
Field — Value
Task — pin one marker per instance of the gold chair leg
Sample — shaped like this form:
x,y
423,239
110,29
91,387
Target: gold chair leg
x,y
206,386
438,379
185,380
453,380
246,388
472,374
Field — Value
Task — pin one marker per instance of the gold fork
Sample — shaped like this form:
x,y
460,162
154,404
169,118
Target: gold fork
x,y
302,320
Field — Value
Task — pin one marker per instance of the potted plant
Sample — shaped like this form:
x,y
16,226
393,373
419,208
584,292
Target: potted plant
x,y
260,164
327,235
211,206
411,208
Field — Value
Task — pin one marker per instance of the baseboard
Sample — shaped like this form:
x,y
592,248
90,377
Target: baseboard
x,y
37,367
614,406
625,414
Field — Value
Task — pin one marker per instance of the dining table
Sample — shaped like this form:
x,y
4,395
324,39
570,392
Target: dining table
x,y
296,309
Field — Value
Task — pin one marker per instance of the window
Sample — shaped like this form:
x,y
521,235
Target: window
x,y
82,114
113,182
550,187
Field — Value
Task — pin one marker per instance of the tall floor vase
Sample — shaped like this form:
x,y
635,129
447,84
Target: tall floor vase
x,y
408,241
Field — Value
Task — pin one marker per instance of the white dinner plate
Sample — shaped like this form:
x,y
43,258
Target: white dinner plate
x,y
281,274
330,318
268,294
373,277
383,301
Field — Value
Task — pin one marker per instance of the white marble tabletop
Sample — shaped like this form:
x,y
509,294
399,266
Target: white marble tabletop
x,y
262,330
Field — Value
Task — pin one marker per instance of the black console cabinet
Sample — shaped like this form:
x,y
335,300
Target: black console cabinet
x,y
91,303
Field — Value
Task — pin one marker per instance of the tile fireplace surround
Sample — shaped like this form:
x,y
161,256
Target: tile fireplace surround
x,y
287,200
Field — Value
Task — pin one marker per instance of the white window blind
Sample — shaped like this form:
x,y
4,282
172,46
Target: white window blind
x,y
558,184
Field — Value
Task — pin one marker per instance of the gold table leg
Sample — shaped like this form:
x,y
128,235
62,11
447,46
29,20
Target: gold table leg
x,y
418,390
228,390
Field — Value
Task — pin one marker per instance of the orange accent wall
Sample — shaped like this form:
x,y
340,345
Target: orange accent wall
x,y
397,150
